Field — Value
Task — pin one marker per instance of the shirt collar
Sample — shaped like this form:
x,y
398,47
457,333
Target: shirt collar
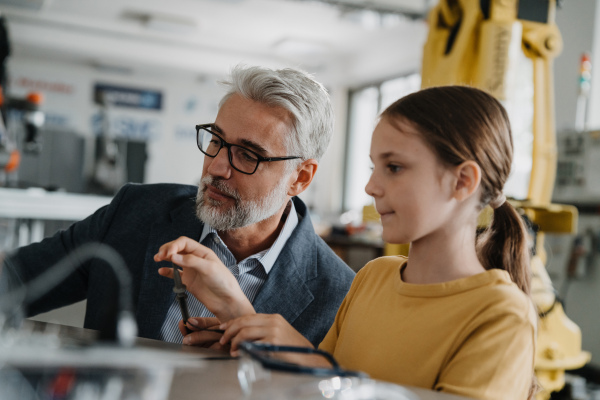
x,y
268,256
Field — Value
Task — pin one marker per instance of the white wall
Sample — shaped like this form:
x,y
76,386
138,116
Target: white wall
x,y
594,105
324,195
579,23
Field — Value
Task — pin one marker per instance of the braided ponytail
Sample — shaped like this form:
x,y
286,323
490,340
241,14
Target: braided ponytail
x,y
504,245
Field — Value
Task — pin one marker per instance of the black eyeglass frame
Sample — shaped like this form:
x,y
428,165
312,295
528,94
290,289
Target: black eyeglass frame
x,y
207,128
254,350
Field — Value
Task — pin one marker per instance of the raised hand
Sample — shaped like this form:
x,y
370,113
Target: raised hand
x,y
206,277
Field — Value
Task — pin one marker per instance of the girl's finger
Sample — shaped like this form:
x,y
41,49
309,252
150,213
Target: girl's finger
x,y
231,329
234,326
249,334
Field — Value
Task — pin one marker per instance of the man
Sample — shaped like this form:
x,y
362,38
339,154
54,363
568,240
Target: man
x,y
262,150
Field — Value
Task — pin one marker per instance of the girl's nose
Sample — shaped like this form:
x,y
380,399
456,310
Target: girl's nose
x,y
373,189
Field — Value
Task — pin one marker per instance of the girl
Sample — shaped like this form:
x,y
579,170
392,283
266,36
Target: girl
x,y
455,315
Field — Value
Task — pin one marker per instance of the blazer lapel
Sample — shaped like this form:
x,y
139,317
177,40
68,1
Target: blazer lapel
x,y
152,306
285,291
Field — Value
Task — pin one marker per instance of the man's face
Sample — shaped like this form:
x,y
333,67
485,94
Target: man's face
x,y
228,199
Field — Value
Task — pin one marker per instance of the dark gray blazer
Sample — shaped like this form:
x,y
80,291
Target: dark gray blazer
x,y
306,285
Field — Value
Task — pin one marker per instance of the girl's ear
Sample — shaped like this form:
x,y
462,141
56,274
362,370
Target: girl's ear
x,y
468,178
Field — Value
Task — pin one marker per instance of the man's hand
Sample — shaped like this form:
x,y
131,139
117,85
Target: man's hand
x,y
205,277
197,332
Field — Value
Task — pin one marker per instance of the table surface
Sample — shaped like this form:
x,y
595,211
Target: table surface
x,y
216,375
39,204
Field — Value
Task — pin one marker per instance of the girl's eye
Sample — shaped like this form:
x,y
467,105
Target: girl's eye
x,y
394,168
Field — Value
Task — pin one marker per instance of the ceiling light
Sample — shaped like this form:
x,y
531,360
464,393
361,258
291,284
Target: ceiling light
x,y
30,4
170,23
300,49
111,68
161,22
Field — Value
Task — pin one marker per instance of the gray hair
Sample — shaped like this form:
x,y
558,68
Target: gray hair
x,y
295,91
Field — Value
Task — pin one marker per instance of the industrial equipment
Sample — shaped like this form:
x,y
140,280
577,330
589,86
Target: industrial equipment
x,y
24,111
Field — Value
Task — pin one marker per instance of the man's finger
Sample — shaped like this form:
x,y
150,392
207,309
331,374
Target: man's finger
x,y
166,271
162,252
219,346
184,245
183,329
200,323
201,338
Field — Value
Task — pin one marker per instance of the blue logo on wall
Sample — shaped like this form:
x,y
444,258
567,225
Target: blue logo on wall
x,y
127,97
185,133
125,126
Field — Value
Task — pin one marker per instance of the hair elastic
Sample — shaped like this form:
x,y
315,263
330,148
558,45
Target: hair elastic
x,y
498,201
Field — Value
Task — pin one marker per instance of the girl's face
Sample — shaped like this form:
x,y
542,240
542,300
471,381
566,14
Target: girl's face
x,y
411,187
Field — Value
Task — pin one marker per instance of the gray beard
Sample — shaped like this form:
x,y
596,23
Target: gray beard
x,y
243,213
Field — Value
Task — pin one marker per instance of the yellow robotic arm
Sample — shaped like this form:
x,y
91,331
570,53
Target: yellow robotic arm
x,y
477,43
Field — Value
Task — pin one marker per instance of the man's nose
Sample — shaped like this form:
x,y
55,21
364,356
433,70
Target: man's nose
x,y
219,165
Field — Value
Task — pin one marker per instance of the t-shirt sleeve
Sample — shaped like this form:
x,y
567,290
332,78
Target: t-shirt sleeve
x,y
495,362
329,342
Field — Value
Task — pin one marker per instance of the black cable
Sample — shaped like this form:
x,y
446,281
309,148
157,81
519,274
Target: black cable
x,y
564,290
557,299
37,287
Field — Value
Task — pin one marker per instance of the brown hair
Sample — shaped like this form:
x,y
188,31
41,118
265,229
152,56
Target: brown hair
x,y
462,123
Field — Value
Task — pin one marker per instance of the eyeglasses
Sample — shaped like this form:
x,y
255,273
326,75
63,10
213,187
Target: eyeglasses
x,y
241,159
257,359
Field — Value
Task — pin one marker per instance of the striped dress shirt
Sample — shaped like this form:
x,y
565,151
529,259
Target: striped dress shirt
x,y
251,273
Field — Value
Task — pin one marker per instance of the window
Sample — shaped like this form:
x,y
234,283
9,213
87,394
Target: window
x,y
365,105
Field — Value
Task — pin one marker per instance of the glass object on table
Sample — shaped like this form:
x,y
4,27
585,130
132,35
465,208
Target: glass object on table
x,y
259,359
350,388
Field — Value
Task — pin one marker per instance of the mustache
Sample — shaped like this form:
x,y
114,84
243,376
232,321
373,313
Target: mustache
x,y
219,184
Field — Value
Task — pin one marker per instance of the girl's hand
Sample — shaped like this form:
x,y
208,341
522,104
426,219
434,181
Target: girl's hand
x,y
205,277
268,328
272,329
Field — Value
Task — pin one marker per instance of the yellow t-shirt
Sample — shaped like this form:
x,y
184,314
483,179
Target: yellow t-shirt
x,y
473,336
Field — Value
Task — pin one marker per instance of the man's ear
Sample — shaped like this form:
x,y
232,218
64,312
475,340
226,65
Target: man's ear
x,y
305,172
468,179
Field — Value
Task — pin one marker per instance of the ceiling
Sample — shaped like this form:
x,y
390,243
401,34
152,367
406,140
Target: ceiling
x,y
350,40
